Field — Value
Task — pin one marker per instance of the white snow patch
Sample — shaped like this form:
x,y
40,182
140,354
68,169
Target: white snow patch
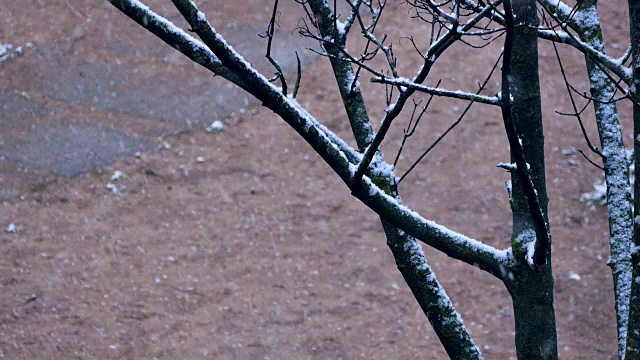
x,y
531,250
349,83
574,276
390,108
117,175
12,228
215,127
528,239
113,188
587,18
340,27
416,255
8,51
599,194
200,15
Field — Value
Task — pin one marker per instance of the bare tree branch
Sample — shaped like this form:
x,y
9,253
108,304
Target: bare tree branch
x,y
554,7
296,87
270,29
393,110
455,123
489,100
575,109
338,155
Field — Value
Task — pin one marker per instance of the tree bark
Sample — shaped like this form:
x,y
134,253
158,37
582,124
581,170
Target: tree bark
x,y
431,297
616,169
531,290
633,333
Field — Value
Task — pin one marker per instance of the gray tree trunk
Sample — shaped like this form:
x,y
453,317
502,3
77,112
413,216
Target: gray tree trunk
x,y
633,333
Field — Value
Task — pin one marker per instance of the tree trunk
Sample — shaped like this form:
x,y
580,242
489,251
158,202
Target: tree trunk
x,y
616,169
531,290
633,333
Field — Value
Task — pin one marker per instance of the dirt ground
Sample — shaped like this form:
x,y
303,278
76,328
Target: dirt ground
x,y
256,250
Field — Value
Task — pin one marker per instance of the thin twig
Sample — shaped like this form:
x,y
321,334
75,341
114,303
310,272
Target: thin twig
x,y
272,24
393,110
575,108
589,160
296,87
441,137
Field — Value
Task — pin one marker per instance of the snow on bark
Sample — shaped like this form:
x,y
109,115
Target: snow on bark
x,y
618,191
150,19
563,12
432,298
452,243
526,242
345,150
616,165
458,94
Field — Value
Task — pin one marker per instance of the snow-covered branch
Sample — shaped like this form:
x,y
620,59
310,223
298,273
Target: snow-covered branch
x,y
458,94
563,13
344,27
338,155
633,327
454,244
584,22
432,298
174,36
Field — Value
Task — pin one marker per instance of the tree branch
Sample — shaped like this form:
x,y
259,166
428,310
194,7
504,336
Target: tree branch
x,y
270,29
334,151
393,110
575,108
408,255
455,123
489,100
345,77
614,158
430,295
558,7
174,36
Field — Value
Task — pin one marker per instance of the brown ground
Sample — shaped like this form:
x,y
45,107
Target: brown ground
x,y
259,251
